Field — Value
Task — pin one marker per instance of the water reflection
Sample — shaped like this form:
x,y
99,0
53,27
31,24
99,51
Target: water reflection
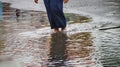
x,y
2,32
57,55
17,14
76,18
79,51
70,51
77,43
2,28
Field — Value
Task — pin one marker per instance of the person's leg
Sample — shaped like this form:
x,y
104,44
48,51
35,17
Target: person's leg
x,y
50,17
47,5
56,7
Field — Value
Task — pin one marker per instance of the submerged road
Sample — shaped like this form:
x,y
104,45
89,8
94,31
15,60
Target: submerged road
x,y
100,10
33,48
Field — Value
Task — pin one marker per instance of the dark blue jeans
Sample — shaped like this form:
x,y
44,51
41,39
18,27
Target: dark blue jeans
x,y
55,13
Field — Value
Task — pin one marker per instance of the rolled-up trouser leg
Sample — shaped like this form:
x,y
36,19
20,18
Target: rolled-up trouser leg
x,y
55,13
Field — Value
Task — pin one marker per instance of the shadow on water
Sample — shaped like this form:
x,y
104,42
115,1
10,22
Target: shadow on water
x,y
57,54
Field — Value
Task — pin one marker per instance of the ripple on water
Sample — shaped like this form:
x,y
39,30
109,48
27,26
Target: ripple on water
x,y
109,47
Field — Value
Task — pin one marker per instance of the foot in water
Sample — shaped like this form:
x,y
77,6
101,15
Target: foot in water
x,y
56,30
63,30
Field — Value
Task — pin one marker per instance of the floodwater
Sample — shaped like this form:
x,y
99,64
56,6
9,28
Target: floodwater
x,y
26,39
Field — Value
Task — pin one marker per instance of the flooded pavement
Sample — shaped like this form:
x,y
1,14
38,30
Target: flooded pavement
x,y
103,8
26,39
108,51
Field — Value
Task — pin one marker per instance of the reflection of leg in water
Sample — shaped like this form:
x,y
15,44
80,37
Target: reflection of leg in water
x,y
58,49
17,14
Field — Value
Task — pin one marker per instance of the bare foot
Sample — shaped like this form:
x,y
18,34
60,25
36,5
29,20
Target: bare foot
x,y
63,29
65,1
56,30
36,1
